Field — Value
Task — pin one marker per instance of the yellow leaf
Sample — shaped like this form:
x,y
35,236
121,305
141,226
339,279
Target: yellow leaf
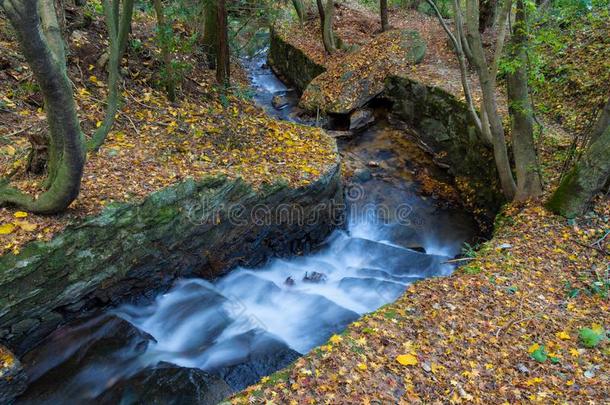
x,y
407,359
6,229
533,348
21,214
574,352
362,366
10,150
563,335
26,226
335,339
597,328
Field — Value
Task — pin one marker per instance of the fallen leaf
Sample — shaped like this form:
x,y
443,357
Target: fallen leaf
x,y
407,359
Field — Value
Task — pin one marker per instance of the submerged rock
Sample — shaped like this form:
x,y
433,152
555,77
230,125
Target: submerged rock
x,y
314,277
82,362
280,101
168,384
266,354
13,380
361,119
396,260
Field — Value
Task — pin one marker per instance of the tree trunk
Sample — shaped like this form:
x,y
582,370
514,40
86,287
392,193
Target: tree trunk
x,y
64,127
529,183
487,14
165,37
328,37
383,10
321,12
487,77
223,62
55,41
601,124
588,177
300,9
118,29
210,32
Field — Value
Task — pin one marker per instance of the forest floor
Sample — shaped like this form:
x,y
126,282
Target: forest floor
x,y
154,143
525,319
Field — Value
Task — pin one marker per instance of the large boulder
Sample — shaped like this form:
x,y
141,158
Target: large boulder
x,y
13,380
351,82
168,384
263,355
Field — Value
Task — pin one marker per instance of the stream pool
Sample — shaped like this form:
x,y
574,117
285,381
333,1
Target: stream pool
x,y
253,322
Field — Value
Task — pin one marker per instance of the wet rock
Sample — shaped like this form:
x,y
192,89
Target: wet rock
x,y
80,362
340,134
363,175
385,275
361,119
396,260
280,101
13,380
314,277
419,249
168,384
289,282
266,355
373,163
372,291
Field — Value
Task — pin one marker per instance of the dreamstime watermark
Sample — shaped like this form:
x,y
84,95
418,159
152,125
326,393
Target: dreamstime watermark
x,y
352,209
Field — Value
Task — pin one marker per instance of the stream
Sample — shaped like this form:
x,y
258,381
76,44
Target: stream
x,y
226,334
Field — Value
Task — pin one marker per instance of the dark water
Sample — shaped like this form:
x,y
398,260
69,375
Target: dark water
x,y
254,321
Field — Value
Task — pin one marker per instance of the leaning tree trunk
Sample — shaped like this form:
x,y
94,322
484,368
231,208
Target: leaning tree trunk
x,y
300,9
588,177
487,77
165,36
64,127
383,11
321,12
529,182
328,37
223,61
210,31
118,25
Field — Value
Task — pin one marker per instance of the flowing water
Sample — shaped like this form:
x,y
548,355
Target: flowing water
x,y
252,322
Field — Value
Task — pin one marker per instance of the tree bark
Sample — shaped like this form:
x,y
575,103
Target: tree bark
x,y
383,11
601,124
223,62
487,77
118,24
54,38
588,177
300,9
487,14
321,12
529,182
165,37
210,32
64,127
328,37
